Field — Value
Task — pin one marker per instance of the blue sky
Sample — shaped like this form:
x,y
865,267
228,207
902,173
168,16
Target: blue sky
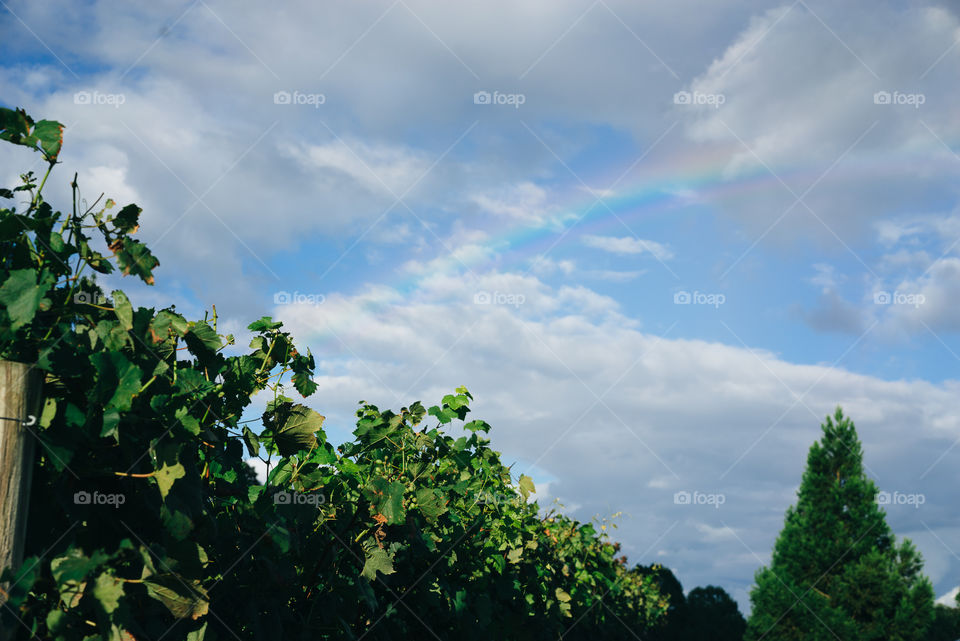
x,y
788,168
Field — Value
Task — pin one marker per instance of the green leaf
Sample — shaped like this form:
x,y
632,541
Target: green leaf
x,y
14,125
75,566
57,620
111,424
431,506
167,475
177,523
19,128
187,420
205,335
117,378
295,428
476,425
108,590
48,413
192,382
280,475
123,309
263,324
182,597
251,441
304,384
254,492
115,338
564,604
134,258
197,635
386,498
19,584
526,486
167,324
50,135
127,219
513,556
445,415
21,295
377,560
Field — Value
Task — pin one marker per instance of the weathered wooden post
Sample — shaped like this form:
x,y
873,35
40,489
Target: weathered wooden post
x,y
20,391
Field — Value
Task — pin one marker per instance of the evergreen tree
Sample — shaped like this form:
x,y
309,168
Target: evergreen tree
x,y
712,615
837,572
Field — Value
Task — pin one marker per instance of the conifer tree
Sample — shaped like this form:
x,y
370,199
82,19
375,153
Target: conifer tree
x,y
837,572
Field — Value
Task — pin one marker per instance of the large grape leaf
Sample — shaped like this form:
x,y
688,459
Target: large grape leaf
x,y
123,309
377,560
45,136
127,219
21,294
526,486
386,498
430,504
134,258
118,379
108,590
294,428
75,565
166,476
183,598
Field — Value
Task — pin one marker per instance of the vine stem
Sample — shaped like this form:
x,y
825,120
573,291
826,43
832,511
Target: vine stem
x,y
146,385
36,196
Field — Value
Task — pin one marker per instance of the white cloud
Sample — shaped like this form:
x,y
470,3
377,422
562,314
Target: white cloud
x,y
950,598
379,168
259,467
799,114
627,245
523,201
615,276
711,533
546,266
826,277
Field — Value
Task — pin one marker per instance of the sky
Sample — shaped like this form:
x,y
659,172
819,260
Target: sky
x,y
658,242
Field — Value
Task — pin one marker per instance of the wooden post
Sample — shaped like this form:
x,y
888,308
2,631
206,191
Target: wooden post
x,y
20,391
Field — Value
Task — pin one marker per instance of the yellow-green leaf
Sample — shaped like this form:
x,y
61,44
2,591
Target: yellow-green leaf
x,y
166,475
